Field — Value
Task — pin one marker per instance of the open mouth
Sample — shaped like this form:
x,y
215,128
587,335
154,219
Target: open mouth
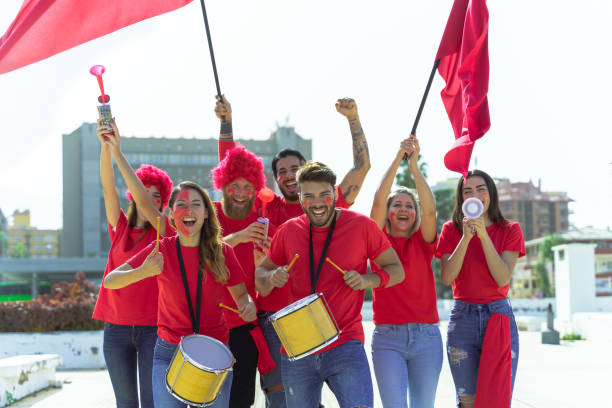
x,y
319,212
239,202
189,221
291,185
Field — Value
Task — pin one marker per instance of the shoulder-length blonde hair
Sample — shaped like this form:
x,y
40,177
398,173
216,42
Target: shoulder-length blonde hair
x,y
210,246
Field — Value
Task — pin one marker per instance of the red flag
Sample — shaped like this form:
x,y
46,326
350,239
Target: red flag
x,y
464,65
493,387
44,28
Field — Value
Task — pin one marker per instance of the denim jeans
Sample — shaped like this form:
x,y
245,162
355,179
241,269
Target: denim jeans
x,y
274,399
466,332
164,352
344,368
128,353
407,359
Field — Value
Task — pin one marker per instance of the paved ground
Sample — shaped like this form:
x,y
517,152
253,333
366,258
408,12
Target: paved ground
x,y
574,374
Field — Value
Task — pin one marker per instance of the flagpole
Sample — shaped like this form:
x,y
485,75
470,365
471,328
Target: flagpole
x,y
418,116
210,48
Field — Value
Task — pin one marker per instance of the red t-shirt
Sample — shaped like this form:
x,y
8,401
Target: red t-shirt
x,y
475,283
173,318
244,254
135,304
414,299
356,239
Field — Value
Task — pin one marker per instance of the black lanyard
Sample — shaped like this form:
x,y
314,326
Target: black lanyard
x,y
195,317
315,277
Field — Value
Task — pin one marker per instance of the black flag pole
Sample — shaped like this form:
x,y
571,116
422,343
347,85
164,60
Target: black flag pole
x,y
418,116
210,48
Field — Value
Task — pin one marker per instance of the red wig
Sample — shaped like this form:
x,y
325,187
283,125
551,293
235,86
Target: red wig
x,y
153,176
239,163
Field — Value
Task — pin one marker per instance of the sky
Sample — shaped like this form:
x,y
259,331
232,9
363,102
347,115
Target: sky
x,y
287,61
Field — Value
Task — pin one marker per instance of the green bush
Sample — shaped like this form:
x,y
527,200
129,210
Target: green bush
x,y
572,336
68,307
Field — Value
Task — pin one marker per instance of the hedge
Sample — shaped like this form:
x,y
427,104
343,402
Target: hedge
x,y
68,307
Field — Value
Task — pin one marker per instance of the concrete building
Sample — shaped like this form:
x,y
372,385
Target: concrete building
x,y
36,242
84,220
523,277
539,213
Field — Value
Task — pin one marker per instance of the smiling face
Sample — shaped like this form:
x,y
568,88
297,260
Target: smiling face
x,y
476,186
189,212
155,196
318,200
401,214
286,169
238,199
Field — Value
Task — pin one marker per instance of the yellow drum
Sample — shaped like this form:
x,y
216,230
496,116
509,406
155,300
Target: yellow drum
x,y
305,326
197,370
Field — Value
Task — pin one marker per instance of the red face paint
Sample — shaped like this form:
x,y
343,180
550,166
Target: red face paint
x,y
182,211
412,215
231,190
307,204
328,201
392,215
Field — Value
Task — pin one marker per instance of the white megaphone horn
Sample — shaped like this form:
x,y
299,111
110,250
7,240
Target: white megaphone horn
x,y
472,208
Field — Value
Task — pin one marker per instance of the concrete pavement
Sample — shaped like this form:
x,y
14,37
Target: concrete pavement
x,y
574,374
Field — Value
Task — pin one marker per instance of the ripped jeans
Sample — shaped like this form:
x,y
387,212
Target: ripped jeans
x,y
466,331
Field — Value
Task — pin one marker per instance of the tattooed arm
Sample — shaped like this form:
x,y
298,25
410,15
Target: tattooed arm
x,y
352,182
223,110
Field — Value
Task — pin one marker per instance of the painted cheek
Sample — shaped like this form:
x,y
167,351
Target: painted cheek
x,y
231,190
412,216
157,202
307,204
328,201
392,216
249,193
180,212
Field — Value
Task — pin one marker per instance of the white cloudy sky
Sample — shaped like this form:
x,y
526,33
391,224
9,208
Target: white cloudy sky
x,y
549,90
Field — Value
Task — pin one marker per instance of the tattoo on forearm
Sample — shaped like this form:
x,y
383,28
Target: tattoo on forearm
x,y
226,131
349,190
361,153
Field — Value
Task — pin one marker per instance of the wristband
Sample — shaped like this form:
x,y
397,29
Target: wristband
x,y
384,277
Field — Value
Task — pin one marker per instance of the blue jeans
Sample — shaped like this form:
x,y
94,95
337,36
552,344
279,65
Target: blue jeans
x,y
164,352
273,399
407,360
344,368
128,353
466,331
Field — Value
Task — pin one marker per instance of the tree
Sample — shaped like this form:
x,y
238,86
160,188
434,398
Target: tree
x,y
3,243
545,256
19,251
404,175
445,203
541,279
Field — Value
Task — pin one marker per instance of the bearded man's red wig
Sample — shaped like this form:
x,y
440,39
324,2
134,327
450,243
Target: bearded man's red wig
x,y
153,176
239,163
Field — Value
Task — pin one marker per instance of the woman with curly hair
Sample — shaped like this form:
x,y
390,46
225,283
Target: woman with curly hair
x,y
477,257
195,254
130,314
406,344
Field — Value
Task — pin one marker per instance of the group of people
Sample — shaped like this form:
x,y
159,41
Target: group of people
x,y
156,291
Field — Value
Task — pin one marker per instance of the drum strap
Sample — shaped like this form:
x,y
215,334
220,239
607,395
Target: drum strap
x,y
195,317
314,277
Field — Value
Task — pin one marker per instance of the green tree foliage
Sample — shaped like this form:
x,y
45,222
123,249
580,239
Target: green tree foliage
x,y
546,252
404,175
3,243
445,202
541,279
546,256
19,251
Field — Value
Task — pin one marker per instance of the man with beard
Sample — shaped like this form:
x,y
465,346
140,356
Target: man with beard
x,y
349,239
286,163
240,176
284,167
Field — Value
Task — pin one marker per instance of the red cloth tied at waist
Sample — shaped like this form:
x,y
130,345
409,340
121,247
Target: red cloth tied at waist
x,y
265,363
495,371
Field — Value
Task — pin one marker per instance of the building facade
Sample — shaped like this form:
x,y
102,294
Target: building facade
x,y
85,231
539,213
523,276
27,241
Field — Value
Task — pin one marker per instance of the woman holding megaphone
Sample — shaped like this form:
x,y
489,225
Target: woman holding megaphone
x,y
478,249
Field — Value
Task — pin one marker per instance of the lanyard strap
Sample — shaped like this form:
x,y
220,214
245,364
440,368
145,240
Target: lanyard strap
x,y
315,277
195,317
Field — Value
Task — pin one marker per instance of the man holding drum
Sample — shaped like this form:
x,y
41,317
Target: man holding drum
x,y
334,246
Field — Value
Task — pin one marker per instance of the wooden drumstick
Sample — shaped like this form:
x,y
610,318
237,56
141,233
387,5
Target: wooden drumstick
x,y
292,262
229,308
157,237
335,266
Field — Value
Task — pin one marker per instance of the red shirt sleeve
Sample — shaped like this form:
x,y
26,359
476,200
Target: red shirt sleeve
x,y
427,247
121,225
276,253
236,273
377,240
448,239
140,257
514,240
341,202
224,146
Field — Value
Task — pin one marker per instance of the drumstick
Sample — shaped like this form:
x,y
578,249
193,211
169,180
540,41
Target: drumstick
x,y
157,238
292,262
335,266
229,308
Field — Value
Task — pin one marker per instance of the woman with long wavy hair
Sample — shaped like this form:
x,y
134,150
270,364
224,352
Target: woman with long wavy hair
x,y
477,258
130,314
207,260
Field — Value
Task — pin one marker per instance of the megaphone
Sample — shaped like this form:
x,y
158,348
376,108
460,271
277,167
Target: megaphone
x,y
472,208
